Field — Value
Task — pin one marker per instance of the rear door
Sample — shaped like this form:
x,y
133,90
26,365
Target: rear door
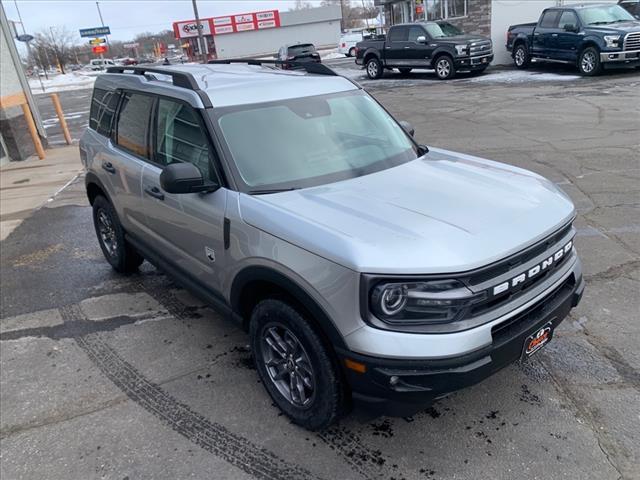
x,y
185,229
544,34
395,53
124,157
568,42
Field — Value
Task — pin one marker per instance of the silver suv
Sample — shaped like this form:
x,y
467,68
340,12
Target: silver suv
x,y
366,268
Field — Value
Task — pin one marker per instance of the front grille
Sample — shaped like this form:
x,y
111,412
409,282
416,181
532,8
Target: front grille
x,y
478,49
632,41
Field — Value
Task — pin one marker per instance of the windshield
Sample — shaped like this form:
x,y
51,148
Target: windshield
x,y
312,141
604,15
442,29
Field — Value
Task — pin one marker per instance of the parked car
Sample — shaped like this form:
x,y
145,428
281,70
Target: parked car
x,y
99,64
631,6
588,36
302,52
364,266
425,45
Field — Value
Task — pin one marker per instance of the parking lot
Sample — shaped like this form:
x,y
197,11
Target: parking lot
x,y
105,376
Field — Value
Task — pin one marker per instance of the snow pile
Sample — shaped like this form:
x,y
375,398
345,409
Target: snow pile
x,y
60,83
520,76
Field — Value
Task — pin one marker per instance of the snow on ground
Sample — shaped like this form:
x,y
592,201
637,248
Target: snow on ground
x,y
520,76
60,83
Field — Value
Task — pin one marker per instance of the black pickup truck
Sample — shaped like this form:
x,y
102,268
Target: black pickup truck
x,y
425,45
589,36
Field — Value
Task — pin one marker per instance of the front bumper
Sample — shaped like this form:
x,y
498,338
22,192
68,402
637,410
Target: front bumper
x,y
625,56
473,63
418,383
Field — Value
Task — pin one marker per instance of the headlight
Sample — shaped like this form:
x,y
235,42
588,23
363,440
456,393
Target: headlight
x,y
461,49
612,41
421,303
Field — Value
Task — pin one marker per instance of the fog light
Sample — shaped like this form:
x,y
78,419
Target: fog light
x,y
613,55
393,381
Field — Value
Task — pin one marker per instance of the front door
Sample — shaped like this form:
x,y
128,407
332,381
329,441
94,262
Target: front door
x,y
419,53
185,229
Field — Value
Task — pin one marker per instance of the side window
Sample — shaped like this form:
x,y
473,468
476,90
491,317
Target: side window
x,y
180,138
398,34
568,18
414,33
133,123
103,107
549,19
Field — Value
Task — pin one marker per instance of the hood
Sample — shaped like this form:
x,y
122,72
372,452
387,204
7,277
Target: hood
x,y
616,28
461,39
445,212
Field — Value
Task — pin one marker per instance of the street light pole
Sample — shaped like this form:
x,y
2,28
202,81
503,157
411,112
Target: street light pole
x,y
201,43
15,2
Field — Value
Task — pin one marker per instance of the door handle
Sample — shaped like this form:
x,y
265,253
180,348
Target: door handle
x,y
408,46
387,47
554,34
106,166
536,34
154,192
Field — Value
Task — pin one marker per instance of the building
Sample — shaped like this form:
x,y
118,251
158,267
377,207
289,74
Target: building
x,y
22,133
484,17
260,33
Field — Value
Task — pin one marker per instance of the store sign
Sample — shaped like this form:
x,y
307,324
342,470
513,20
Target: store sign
x,y
190,29
94,32
99,49
243,22
131,45
97,41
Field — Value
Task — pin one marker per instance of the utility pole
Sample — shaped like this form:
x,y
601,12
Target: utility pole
x,y
102,23
201,44
15,2
342,23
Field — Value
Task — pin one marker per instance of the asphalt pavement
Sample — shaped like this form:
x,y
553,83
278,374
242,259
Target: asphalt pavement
x,y
109,376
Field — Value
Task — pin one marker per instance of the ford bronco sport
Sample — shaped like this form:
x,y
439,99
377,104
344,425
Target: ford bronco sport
x,y
366,268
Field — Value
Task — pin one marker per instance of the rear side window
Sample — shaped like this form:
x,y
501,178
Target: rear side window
x,y
180,137
133,124
549,19
399,34
103,107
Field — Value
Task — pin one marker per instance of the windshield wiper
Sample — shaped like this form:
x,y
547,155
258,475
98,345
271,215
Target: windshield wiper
x,y
267,191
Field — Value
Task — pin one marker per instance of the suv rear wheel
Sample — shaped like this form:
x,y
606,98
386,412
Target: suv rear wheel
x,y
294,365
120,254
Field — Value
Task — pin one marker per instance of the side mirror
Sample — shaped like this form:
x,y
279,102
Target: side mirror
x,y
570,28
184,178
421,39
407,127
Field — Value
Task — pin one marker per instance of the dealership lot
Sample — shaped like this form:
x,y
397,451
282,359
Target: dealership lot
x,y
130,377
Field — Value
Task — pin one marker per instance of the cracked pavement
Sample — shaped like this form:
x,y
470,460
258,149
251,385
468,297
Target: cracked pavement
x,y
105,376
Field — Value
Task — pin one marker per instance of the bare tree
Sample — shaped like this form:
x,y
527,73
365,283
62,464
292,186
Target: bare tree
x,y
301,5
354,13
54,46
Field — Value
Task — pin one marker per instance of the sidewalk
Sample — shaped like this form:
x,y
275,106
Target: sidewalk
x,y
26,186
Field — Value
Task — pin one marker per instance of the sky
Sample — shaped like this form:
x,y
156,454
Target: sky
x,y
126,18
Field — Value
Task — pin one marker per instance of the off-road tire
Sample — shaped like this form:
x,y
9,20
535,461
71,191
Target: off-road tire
x,y
328,400
118,252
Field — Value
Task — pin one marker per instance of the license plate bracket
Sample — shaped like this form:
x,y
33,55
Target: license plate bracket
x,y
534,342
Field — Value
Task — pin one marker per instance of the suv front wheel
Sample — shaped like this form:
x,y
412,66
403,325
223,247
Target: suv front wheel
x,y
118,252
295,366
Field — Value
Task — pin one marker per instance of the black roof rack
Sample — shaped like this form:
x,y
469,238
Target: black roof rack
x,y
310,67
179,79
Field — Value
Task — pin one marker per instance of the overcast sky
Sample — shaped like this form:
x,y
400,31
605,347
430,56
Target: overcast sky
x,y
126,18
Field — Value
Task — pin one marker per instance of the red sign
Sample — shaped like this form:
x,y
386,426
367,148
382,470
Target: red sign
x,y
243,22
99,49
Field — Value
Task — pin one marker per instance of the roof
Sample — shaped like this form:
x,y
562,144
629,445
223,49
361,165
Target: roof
x,y
241,83
578,6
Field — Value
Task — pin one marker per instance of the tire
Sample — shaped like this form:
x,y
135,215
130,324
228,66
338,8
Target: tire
x,y
374,68
404,71
589,62
118,252
352,52
319,398
521,57
444,67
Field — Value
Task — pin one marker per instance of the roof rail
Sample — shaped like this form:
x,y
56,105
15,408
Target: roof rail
x,y
310,67
179,79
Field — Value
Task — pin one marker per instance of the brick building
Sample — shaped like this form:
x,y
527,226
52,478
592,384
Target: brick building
x,y
484,17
